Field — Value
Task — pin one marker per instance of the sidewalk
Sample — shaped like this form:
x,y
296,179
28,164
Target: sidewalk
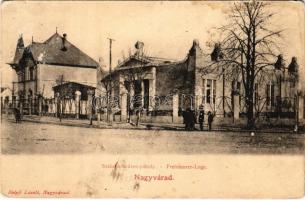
x,y
144,126
78,122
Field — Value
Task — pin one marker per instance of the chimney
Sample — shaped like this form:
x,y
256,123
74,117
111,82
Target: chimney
x,y
216,55
139,48
195,42
279,64
64,38
293,67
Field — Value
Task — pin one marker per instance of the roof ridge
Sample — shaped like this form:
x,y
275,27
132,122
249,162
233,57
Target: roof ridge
x,y
34,43
161,58
51,52
49,39
70,43
82,52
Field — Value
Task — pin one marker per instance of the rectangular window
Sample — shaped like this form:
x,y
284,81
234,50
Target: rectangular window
x,y
203,90
209,91
272,95
208,94
304,108
146,93
31,73
214,91
19,77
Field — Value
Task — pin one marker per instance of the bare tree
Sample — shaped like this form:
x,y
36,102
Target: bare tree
x,y
133,78
109,99
247,47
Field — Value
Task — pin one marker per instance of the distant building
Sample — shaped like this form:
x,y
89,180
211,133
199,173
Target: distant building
x,y
41,66
162,88
6,98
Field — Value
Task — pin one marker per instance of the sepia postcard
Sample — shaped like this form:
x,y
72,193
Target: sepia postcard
x,y
152,99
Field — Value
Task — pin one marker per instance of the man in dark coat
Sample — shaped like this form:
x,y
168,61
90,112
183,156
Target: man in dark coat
x,y
210,120
188,119
192,120
184,114
17,115
201,119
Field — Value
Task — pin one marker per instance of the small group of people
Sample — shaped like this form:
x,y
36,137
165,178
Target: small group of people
x,y
189,119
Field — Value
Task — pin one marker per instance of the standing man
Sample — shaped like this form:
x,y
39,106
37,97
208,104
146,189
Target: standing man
x,y
188,119
192,120
201,119
184,119
210,120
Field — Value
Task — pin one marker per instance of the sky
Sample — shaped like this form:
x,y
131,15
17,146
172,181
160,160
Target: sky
x,y
166,28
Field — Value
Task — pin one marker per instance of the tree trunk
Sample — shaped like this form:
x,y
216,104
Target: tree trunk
x,y
250,117
250,114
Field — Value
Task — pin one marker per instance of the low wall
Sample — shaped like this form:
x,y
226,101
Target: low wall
x,y
221,121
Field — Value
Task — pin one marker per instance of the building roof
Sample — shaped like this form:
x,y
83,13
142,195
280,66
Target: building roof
x,y
140,60
145,61
19,50
3,89
56,50
68,89
73,85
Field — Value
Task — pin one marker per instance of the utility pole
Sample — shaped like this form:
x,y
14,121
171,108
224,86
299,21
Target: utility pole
x,y
1,97
110,61
110,77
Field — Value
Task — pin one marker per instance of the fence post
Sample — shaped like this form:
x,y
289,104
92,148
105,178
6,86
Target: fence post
x,y
30,104
40,105
175,108
301,106
21,105
124,107
142,93
77,103
236,106
14,101
89,105
56,104
152,89
97,103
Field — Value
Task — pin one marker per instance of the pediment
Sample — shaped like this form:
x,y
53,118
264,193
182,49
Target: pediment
x,y
133,62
